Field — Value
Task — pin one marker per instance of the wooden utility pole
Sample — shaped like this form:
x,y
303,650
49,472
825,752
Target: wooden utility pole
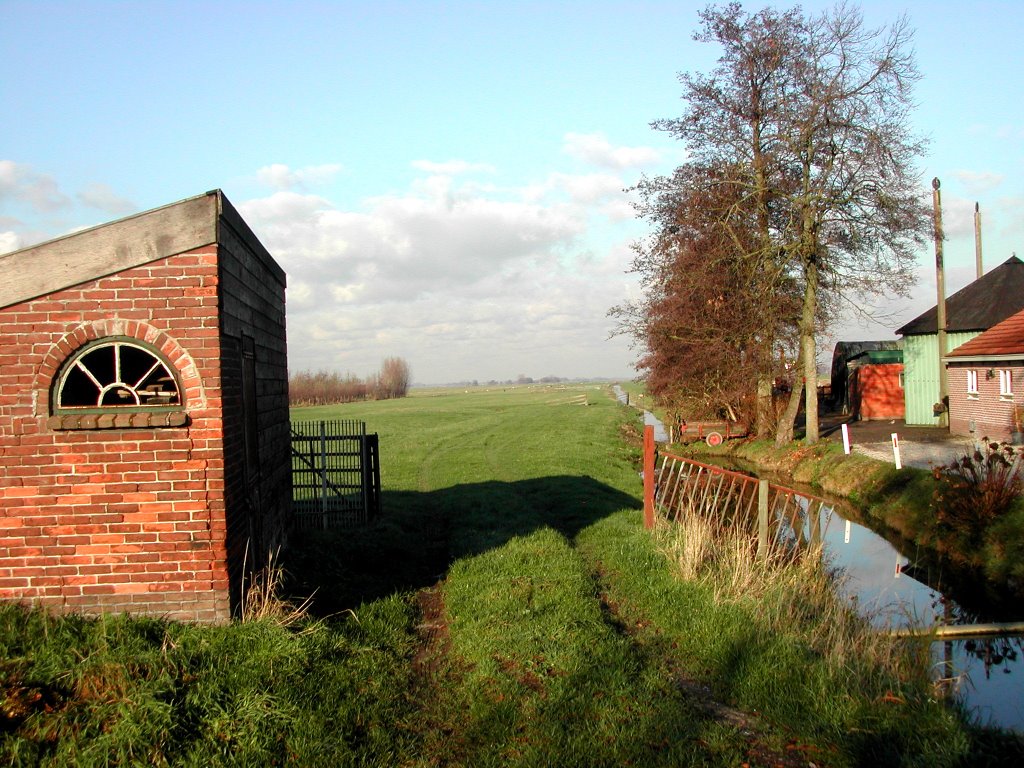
x,y
977,241
940,287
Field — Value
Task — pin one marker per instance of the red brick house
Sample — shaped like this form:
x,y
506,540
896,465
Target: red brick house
x,y
986,382
144,454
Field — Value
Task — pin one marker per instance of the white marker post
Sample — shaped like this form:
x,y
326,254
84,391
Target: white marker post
x,y
846,535
896,450
846,439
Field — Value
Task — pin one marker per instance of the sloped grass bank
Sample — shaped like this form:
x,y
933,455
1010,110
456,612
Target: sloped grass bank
x,y
509,609
858,713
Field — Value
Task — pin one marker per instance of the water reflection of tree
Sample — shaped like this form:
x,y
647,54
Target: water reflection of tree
x,y
992,652
995,652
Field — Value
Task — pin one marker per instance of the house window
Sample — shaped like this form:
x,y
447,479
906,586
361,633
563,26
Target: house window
x,y
1006,384
116,379
972,383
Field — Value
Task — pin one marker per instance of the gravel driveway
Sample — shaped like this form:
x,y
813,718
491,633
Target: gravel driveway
x,y
922,447
923,455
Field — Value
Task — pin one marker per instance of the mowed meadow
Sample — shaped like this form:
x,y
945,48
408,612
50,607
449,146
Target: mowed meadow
x,y
507,608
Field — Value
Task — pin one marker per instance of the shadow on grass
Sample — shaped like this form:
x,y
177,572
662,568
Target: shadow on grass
x,y
419,534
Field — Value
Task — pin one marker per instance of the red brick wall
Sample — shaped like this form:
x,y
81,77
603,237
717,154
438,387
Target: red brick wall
x,y
95,520
992,416
877,393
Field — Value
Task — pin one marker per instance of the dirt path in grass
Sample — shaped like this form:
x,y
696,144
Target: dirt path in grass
x,y
434,667
753,729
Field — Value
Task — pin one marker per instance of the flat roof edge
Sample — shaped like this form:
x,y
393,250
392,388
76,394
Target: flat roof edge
x,y
106,249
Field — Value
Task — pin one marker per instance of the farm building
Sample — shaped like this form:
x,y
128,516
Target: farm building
x,y
144,439
986,383
842,355
975,308
876,384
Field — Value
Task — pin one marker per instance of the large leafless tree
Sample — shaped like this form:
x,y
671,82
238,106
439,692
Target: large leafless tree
x,y
814,112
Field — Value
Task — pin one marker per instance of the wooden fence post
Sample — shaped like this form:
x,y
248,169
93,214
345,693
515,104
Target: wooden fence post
x,y
648,477
762,518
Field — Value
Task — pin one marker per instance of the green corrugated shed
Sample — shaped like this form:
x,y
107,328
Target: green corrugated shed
x,y
921,374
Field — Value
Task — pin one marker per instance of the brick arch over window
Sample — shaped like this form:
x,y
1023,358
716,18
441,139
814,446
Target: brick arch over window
x,y
193,393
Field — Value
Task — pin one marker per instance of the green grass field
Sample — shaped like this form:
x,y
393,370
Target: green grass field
x,y
507,609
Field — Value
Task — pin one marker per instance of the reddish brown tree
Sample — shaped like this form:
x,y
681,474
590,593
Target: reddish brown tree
x,y
717,305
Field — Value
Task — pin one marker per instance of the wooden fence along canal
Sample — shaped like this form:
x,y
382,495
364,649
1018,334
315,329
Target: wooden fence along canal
x,y
780,517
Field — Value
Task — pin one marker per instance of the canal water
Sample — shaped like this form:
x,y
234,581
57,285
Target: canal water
x,y
650,420
897,588
895,585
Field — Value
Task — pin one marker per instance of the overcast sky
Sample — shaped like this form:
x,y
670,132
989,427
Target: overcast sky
x,y
441,181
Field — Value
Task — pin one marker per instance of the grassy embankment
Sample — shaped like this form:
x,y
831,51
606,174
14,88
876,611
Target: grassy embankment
x,y
509,609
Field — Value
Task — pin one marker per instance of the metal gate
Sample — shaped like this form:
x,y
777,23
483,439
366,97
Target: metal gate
x,y
335,474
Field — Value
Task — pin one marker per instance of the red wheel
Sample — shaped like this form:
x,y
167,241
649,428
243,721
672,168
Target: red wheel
x,y
714,439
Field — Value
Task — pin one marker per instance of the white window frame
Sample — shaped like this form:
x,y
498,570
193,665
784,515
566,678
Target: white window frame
x,y
1006,384
972,383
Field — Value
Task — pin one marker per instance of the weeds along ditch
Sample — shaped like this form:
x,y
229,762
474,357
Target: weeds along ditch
x,y
507,609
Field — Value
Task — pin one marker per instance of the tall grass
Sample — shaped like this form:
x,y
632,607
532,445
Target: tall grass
x,y
788,591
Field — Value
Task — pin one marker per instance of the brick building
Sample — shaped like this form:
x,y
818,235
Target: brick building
x,y
986,382
144,454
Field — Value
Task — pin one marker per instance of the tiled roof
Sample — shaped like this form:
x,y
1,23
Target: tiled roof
x,y
978,306
1005,338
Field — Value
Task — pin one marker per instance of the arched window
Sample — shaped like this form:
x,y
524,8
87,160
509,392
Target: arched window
x,y
116,375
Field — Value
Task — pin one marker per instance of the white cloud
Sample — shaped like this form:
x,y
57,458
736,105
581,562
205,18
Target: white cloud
x,y
957,217
20,183
977,182
104,198
463,282
591,188
9,241
280,176
595,149
618,210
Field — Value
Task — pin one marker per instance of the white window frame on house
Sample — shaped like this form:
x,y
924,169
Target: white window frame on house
x,y
1005,384
972,383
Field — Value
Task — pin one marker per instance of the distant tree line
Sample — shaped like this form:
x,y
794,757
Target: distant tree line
x,y
330,387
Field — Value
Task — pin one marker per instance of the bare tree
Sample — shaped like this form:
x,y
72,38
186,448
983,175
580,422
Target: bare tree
x,y
815,112
394,378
